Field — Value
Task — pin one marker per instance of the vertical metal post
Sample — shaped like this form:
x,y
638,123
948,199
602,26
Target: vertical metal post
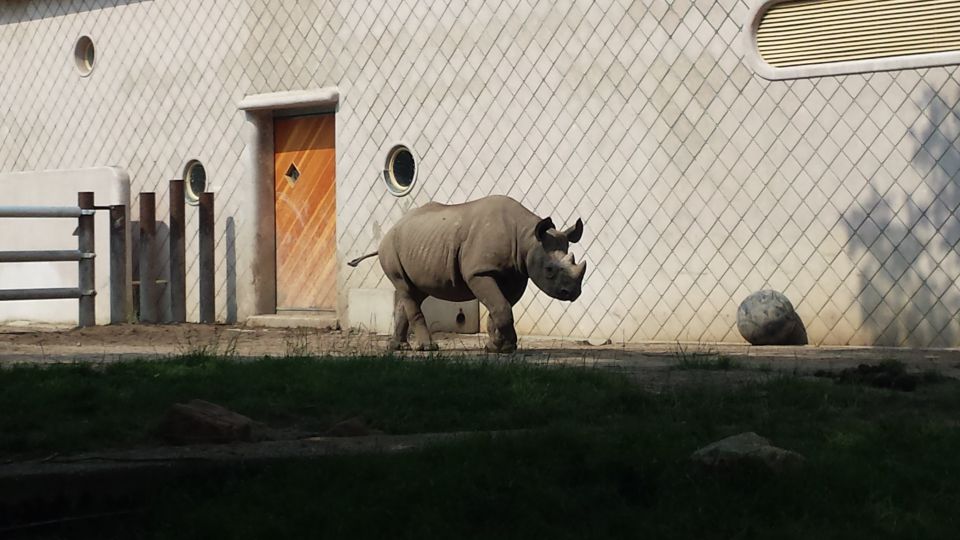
x,y
207,268
118,264
178,257
85,239
148,276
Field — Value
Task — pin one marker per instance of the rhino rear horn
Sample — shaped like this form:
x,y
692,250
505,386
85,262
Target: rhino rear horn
x,y
543,226
574,233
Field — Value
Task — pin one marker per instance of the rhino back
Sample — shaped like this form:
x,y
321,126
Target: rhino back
x,y
423,249
436,247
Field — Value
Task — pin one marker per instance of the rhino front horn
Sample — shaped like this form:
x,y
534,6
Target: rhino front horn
x,y
580,269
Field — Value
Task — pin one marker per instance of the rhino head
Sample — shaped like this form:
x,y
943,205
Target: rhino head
x,y
549,264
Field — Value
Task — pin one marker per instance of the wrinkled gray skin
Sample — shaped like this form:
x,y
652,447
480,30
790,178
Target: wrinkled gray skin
x,y
484,249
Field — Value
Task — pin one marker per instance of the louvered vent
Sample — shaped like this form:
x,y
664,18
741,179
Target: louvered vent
x,y
804,32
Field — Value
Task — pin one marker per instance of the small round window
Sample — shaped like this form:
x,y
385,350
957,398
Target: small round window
x,y
84,55
195,180
400,170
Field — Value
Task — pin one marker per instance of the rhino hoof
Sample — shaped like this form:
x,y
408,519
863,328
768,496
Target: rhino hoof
x,y
398,346
426,347
503,348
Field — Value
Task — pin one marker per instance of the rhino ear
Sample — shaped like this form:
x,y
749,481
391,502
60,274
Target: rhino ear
x,y
574,233
543,226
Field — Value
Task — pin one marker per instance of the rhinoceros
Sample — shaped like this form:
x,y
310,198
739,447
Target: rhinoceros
x,y
484,249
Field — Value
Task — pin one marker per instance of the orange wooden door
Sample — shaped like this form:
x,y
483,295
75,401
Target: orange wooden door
x,y
306,212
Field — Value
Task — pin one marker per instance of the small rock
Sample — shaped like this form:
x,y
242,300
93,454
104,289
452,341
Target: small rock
x,y
352,427
767,318
200,422
892,375
746,447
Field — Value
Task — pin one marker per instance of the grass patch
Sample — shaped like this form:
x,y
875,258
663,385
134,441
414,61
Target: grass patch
x,y
67,408
707,360
573,485
610,461
880,464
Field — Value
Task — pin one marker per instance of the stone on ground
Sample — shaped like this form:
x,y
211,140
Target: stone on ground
x,y
743,448
198,422
767,318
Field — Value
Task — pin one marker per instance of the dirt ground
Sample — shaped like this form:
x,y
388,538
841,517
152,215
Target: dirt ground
x,y
652,364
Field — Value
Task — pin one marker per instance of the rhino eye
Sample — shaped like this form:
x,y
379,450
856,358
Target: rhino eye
x,y
550,271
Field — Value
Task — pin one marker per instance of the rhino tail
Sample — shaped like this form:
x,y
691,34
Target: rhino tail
x,y
356,261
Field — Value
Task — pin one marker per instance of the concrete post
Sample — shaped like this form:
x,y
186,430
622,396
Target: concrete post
x,y
118,265
148,275
178,258
208,312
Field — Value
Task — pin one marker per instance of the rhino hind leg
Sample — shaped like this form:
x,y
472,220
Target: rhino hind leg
x,y
410,304
401,329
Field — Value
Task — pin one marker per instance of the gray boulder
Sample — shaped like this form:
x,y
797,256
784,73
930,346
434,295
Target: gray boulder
x,y
767,318
746,447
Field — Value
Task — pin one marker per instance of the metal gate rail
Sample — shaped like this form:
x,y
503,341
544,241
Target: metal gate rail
x,y
84,255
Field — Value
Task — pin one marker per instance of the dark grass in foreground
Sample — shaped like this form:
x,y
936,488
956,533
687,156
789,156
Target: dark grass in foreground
x,y
611,463
880,464
629,482
69,408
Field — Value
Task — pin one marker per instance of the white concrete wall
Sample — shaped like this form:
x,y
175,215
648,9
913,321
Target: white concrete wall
x,y
164,91
699,182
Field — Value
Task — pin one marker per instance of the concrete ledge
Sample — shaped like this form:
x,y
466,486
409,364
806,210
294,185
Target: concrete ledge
x,y
457,317
372,310
320,320
327,98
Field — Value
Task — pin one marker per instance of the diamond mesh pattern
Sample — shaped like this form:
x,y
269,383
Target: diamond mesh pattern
x,y
698,181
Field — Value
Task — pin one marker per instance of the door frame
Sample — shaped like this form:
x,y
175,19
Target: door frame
x,y
258,185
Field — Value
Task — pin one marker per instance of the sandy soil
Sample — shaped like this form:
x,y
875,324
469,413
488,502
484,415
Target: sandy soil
x,y
651,364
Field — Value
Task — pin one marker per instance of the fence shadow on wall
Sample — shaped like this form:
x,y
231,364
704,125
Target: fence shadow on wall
x,y
903,240
17,11
231,239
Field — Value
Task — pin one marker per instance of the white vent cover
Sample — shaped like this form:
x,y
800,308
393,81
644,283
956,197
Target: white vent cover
x,y
811,32
797,33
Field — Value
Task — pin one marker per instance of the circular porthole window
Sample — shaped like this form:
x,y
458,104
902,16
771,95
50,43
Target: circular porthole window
x,y
400,170
84,55
195,181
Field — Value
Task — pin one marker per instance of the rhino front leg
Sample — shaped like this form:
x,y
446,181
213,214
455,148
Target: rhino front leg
x,y
502,335
495,339
415,318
